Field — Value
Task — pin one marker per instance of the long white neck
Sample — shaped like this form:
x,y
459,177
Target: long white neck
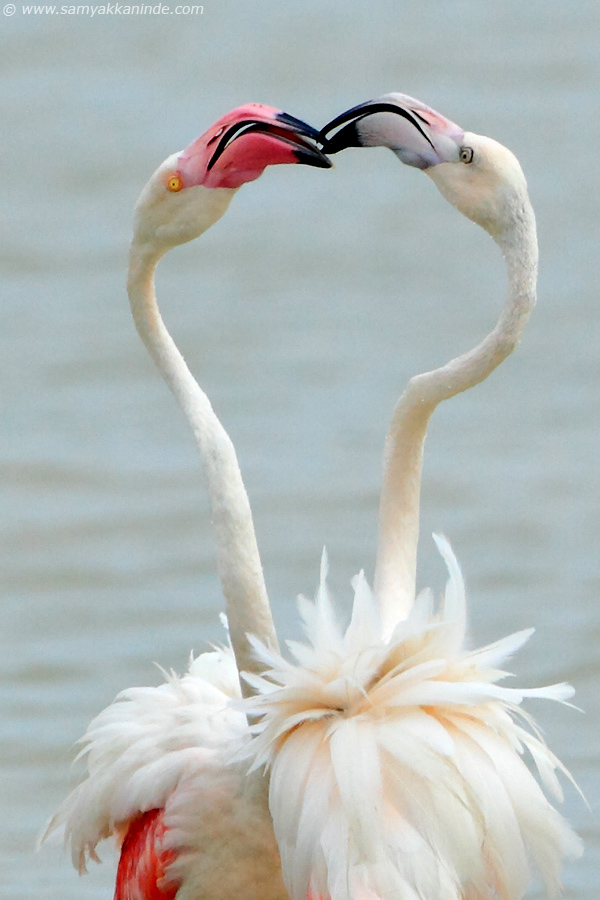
x,y
240,569
395,571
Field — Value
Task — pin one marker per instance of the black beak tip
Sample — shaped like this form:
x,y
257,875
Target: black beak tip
x,y
312,157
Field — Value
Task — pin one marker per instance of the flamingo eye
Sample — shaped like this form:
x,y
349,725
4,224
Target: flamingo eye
x,y
466,154
175,183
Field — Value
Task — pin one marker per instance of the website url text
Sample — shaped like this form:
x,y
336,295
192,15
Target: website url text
x,y
106,9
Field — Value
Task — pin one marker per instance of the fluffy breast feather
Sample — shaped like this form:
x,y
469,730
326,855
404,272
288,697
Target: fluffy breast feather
x,y
403,768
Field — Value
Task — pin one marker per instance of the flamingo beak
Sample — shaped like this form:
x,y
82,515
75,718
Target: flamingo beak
x,y
299,137
417,134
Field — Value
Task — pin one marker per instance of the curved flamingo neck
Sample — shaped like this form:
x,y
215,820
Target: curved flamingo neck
x,y
395,570
239,565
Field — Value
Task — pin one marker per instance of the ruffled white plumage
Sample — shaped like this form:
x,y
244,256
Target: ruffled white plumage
x,y
176,747
144,745
397,767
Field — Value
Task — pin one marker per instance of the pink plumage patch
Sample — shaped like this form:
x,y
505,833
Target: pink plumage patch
x,y
141,872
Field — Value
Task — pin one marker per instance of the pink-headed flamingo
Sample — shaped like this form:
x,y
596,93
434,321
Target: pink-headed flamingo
x,y
387,760
151,754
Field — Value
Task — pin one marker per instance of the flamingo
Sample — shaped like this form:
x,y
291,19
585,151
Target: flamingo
x,y
152,753
385,760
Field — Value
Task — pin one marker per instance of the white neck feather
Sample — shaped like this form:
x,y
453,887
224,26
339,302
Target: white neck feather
x,y
395,572
240,569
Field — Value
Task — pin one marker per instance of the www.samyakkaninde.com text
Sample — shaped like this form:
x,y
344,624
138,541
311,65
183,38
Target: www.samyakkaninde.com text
x,y
112,9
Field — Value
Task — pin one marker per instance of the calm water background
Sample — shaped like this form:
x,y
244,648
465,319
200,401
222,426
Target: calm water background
x,y
303,312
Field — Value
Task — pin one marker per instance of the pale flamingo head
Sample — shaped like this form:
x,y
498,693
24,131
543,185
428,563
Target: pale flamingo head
x,y
479,176
193,188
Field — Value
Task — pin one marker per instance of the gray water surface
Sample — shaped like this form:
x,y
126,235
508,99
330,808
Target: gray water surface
x,y
303,313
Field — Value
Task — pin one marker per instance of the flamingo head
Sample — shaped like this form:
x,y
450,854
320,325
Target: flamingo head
x,y
479,176
193,188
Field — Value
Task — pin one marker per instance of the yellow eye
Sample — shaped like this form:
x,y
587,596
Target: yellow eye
x,y
175,183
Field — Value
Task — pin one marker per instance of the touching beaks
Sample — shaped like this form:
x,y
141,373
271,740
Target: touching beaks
x,y
305,137
417,134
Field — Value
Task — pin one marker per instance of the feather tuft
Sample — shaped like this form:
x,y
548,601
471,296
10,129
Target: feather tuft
x,y
398,766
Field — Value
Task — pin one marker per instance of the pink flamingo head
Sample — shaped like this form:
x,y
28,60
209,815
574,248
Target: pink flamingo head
x,y
193,188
